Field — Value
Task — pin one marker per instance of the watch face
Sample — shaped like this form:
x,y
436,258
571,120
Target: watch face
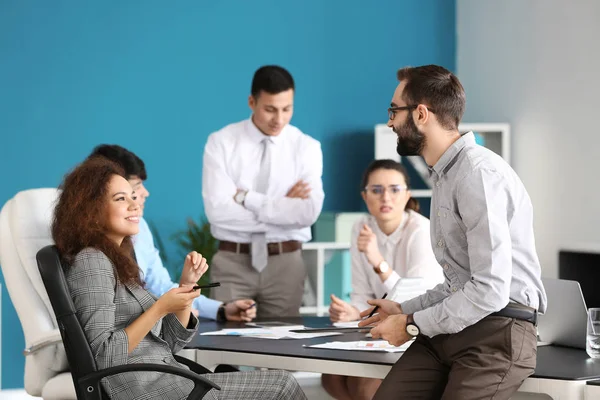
x,y
239,197
383,267
412,330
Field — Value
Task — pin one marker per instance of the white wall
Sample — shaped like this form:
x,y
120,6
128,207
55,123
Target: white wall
x,y
536,65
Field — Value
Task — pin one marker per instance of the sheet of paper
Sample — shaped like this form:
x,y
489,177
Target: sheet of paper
x,y
263,333
363,345
351,324
275,325
237,332
275,334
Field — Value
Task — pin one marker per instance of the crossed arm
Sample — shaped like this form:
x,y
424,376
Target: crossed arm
x,y
299,208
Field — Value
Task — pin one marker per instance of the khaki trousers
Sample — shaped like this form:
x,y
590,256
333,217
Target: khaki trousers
x,y
488,360
277,290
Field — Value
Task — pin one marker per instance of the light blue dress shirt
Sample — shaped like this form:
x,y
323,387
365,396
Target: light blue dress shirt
x,y
157,278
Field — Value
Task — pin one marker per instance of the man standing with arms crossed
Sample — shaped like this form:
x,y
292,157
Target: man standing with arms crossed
x,y
475,333
262,191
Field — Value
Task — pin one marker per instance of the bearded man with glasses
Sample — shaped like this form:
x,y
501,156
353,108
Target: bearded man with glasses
x,y
475,334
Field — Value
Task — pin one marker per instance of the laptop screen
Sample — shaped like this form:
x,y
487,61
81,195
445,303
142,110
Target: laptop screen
x,y
583,267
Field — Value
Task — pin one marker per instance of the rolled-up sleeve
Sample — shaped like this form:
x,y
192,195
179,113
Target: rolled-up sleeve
x,y
175,334
483,201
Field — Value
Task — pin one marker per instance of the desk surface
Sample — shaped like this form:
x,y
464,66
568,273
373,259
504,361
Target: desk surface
x,y
552,362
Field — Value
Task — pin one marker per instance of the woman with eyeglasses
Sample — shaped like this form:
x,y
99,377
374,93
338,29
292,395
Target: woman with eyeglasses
x,y
390,243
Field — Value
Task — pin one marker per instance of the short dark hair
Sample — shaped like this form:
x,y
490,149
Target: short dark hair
x,y
272,79
412,204
131,164
436,87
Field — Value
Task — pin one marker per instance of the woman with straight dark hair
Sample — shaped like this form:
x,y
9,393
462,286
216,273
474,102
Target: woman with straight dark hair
x,y
95,217
390,243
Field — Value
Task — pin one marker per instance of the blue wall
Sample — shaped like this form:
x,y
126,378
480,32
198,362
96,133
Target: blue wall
x,y
157,77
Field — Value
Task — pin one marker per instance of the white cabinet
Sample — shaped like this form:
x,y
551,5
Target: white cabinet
x,y
316,256
328,261
495,137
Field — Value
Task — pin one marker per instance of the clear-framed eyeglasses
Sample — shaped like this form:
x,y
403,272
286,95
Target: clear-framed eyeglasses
x,y
379,190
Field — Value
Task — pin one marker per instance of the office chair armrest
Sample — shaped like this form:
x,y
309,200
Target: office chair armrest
x,y
194,366
90,384
47,339
200,369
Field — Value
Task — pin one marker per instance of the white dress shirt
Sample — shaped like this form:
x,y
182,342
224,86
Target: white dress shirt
x,y
408,252
232,160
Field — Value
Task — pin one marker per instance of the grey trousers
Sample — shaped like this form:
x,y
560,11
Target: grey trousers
x,y
488,360
277,289
252,385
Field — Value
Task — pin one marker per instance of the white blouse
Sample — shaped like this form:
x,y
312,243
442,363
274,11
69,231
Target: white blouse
x,y
408,252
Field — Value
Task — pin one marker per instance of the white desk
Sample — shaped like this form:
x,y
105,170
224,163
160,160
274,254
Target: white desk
x,y
561,373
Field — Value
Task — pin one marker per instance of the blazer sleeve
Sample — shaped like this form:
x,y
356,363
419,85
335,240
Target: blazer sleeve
x,y
175,334
92,283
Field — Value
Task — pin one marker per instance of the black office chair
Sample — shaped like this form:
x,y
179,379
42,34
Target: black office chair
x,y
86,376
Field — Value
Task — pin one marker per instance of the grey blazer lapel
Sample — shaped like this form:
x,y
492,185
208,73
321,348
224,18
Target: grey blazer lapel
x,y
146,301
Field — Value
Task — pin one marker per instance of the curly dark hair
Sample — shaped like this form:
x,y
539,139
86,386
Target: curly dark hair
x,y
80,217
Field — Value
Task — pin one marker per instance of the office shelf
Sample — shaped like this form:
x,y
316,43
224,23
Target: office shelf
x,y
494,136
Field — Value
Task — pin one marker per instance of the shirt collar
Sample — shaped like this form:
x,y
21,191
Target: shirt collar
x,y
445,161
395,236
256,136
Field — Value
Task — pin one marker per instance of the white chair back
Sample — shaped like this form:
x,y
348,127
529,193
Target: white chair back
x,y
24,229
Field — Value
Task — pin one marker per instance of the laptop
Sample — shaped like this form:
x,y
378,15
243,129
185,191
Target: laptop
x,y
565,320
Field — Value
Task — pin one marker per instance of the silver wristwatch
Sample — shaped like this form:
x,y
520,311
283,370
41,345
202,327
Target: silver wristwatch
x,y
240,197
382,268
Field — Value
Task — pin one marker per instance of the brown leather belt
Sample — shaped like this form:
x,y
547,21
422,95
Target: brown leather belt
x,y
273,248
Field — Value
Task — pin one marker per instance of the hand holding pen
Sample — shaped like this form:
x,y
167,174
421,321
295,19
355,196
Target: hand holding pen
x,y
377,306
383,307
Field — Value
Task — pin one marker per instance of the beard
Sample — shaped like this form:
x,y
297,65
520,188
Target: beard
x,y
410,141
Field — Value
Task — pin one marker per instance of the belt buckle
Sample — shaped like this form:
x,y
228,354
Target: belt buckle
x,y
275,248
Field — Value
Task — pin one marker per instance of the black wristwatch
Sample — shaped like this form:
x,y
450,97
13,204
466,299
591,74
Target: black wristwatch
x,y
411,328
221,317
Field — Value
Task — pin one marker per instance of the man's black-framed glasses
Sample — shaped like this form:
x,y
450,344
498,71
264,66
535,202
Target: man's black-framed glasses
x,y
393,110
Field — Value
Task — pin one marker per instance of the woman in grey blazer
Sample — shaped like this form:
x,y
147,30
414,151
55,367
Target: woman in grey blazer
x,y
95,217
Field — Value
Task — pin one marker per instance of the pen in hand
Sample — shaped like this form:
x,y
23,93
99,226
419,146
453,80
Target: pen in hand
x,y
213,284
376,307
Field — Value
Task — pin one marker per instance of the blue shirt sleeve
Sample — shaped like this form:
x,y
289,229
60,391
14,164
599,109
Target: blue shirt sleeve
x,y
157,278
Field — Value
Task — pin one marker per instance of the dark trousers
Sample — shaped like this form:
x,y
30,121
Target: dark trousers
x,y
488,360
